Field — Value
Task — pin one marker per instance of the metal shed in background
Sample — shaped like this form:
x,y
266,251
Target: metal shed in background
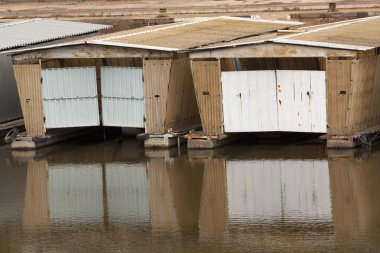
x,y
143,78
26,33
320,79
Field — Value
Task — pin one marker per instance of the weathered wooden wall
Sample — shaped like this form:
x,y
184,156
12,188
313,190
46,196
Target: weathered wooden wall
x,y
28,77
156,83
208,91
353,94
181,108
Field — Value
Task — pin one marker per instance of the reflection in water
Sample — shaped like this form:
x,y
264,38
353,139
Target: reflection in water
x,y
259,198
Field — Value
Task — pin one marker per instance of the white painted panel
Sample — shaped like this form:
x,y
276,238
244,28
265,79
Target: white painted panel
x,y
127,193
249,101
301,101
122,97
278,190
75,193
70,97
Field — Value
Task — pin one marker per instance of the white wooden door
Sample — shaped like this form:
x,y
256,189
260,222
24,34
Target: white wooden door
x,y
268,101
122,97
249,101
301,101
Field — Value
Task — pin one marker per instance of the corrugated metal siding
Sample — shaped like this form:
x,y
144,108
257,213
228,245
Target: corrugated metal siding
x,y
41,30
127,193
303,101
75,193
293,189
10,107
207,83
70,97
196,34
282,100
28,78
156,82
249,101
122,97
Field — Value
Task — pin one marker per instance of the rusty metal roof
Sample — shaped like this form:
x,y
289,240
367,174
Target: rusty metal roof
x,y
183,36
360,34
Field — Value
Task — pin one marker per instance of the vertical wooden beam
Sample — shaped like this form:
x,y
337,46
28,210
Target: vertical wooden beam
x,y
338,81
156,82
362,87
208,91
28,77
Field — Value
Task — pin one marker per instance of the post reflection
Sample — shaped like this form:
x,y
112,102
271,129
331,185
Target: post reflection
x,y
203,200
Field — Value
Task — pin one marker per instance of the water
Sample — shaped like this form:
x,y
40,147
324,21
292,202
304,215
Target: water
x,y
117,197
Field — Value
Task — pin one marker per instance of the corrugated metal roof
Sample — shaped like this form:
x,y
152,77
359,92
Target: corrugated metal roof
x,y
189,35
42,30
360,34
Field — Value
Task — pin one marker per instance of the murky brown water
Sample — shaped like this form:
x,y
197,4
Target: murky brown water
x,y
118,197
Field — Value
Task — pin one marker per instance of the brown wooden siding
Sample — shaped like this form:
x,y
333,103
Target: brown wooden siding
x,y
207,83
182,109
28,79
156,82
338,81
362,87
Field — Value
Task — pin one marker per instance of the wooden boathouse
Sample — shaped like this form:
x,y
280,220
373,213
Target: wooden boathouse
x,y
320,79
20,35
138,78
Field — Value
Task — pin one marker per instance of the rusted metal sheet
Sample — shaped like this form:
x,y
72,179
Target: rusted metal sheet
x,y
302,101
308,193
70,97
208,91
10,107
156,82
196,34
122,97
249,101
28,77
360,34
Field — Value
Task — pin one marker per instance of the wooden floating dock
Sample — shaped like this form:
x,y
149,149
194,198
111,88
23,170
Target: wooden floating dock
x,y
24,142
365,138
197,140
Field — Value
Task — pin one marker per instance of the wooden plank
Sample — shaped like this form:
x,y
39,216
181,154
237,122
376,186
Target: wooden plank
x,y
156,82
338,81
89,51
375,97
271,50
362,87
182,109
207,83
28,79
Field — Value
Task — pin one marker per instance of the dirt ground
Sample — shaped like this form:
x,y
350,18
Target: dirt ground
x,y
18,9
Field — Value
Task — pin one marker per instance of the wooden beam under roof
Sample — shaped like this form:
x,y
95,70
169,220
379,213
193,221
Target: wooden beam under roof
x,y
89,51
272,50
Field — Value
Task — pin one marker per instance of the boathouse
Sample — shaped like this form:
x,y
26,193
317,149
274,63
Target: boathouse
x,y
138,78
23,34
321,79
